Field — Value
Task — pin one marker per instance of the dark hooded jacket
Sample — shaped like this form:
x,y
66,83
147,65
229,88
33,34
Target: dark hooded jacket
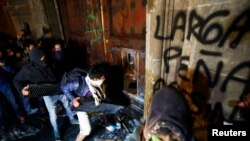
x,y
35,72
169,110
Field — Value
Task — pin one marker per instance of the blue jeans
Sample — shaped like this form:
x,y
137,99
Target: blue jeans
x,y
50,102
1,115
7,91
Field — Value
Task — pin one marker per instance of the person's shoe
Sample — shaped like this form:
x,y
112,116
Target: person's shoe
x,y
17,132
110,127
117,125
32,111
2,137
57,136
74,121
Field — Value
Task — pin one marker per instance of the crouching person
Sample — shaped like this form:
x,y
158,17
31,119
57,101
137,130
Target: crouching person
x,y
85,87
169,117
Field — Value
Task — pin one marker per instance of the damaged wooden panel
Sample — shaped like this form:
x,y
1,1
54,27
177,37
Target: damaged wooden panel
x,y
127,18
82,24
73,15
7,26
125,23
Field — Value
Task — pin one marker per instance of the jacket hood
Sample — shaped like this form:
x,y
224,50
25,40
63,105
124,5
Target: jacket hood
x,y
35,55
168,110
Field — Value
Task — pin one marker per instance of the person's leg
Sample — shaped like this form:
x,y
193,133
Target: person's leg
x,y
84,125
1,115
26,104
66,105
50,105
41,106
1,123
9,94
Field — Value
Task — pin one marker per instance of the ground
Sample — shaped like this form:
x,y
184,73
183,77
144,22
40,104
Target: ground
x,y
38,127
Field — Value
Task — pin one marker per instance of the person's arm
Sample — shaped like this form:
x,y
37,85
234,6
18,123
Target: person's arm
x,y
20,81
66,91
6,68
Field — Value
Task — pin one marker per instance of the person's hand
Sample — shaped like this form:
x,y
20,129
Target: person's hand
x,y
241,104
245,103
25,91
76,102
1,64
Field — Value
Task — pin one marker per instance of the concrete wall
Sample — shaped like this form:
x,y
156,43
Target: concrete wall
x,y
204,43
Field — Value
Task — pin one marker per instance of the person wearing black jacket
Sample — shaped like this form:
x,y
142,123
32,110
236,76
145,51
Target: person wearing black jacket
x,y
38,72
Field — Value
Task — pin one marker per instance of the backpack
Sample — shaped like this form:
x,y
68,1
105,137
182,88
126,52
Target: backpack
x,y
72,75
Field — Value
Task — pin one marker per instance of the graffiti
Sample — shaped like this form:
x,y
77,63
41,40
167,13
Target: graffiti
x,y
205,30
180,16
210,53
158,85
237,27
202,33
94,31
201,64
183,67
177,52
231,76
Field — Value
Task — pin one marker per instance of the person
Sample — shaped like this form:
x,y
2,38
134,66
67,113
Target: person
x,y
60,63
38,72
6,88
85,87
244,107
169,117
245,103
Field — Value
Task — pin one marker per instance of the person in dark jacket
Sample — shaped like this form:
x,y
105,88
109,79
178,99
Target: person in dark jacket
x,y
38,72
60,61
169,117
6,88
84,87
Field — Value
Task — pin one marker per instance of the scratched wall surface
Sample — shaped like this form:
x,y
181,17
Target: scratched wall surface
x,y
127,17
204,43
82,24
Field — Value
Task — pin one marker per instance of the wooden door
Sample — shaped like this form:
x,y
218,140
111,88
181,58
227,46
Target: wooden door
x,y
6,23
83,29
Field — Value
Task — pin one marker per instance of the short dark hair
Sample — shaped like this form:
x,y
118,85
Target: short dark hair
x,y
60,42
97,71
28,42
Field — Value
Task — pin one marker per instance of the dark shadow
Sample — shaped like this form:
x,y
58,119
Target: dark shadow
x,y
200,92
77,53
114,84
216,117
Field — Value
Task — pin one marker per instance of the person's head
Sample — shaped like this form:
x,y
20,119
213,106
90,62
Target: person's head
x,y
37,56
29,44
58,50
97,74
169,118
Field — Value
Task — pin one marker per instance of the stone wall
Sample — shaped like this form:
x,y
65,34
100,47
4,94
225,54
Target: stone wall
x,y
202,43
